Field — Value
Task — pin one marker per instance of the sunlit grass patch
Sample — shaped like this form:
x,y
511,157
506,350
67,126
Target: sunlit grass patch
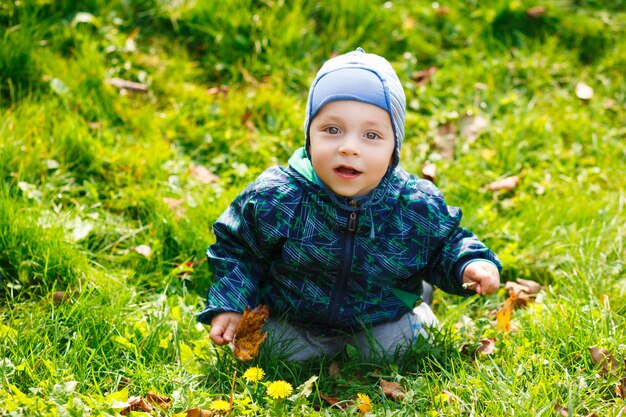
x,y
108,196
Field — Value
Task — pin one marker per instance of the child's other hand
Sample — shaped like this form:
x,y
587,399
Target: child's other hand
x,y
485,276
223,327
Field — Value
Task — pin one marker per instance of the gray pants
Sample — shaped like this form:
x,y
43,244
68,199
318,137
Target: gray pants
x,y
383,340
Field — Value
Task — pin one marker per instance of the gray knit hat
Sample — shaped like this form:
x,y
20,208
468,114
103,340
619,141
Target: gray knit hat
x,y
364,77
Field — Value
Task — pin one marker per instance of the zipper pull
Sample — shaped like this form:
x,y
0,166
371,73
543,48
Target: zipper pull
x,y
352,222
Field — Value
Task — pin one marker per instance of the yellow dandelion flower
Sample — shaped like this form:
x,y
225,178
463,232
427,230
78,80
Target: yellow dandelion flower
x,y
363,403
220,405
279,389
254,374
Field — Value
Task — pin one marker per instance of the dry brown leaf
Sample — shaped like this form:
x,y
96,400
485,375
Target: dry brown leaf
x,y
592,414
536,12
247,121
514,287
333,370
160,401
445,140
124,381
59,297
532,287
217,90
471,126
487,346
248,335
442,11
429,171
522,296
423,77
333,401
604,300
561,410
583,91
126,85
249,78
176,205
505,184
620,389
198,412
608,363
503,317
203,174
137,404
392,390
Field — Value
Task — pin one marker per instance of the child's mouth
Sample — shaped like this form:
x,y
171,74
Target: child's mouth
x,y
347,171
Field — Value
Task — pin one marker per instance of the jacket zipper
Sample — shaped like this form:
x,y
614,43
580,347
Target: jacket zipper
x,y
348,250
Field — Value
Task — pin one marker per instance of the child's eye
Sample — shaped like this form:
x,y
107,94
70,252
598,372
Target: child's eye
x,y
372,135
333,130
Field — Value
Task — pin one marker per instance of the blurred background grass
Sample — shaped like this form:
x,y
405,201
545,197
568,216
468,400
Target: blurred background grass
x,y
90,172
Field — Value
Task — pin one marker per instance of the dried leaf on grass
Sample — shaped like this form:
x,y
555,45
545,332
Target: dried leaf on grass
x,y
147,404
176,205
536,11
198,412
248,335
606,361
471,126
126,85
525,290
532,287
223,89
137,404
561,410
503,317
505,184
160,401
203,174
331,400
487,346
445,140
333,370
620,389
520,293
392,390
423,77
59,297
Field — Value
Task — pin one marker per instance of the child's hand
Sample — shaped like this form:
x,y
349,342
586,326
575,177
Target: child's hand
x,y
223,327
483,275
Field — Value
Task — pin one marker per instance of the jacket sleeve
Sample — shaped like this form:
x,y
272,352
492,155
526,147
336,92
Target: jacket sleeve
x,y
455,248
239,258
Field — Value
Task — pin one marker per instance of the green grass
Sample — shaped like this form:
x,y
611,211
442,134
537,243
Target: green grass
x,y
89,173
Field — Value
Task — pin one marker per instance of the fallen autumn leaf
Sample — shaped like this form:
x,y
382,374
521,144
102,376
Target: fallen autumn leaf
x,y
503,317
248,335
487,346
505,184
604,358
392,390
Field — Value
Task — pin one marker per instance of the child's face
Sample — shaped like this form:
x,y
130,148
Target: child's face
x,y
351,146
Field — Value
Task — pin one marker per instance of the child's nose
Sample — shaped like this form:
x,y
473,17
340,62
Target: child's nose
x,y
349,145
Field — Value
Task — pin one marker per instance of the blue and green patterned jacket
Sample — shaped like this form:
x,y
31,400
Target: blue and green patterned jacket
x,y
336,265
